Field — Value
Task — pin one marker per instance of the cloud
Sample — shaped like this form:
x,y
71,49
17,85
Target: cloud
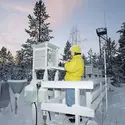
x,y
60,9
12,34
20,8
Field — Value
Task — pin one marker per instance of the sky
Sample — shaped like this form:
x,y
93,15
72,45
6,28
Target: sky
x,y
88,15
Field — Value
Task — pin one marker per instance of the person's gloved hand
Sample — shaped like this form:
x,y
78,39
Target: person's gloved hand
x,y
64,61
68,60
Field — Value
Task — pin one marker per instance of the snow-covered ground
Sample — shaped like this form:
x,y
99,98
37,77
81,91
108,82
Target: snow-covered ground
x,y
24,116
116,111
116,108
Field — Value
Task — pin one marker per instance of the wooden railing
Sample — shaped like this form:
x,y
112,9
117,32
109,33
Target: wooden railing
x,y
88,95
91,95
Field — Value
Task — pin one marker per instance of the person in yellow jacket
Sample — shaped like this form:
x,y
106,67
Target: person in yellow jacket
x,y
74,72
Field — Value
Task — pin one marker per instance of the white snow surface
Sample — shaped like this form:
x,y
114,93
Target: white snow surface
x,y
115,116
24,116
116,108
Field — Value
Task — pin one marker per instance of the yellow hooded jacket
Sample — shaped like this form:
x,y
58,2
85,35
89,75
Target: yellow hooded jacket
x,y
74,69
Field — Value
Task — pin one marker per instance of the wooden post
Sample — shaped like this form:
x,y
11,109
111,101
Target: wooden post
x,y
33,114
77,102
33,71
88,99
57,93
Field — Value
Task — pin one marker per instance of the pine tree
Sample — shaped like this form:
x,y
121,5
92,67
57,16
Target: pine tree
x,y
90,54
121,50
38,31
20,61
110,49
39,28
6,63
93,59
111,60
66,56
85,59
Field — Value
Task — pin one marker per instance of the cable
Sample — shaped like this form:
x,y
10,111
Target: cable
x,y
87,122
36,112
103,116
49,115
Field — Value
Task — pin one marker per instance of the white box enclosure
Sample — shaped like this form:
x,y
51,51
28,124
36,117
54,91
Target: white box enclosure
x,y
44,55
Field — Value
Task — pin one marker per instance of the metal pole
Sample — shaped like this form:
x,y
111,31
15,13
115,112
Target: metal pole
x,y
100,46
106,85
10,102
11,106
16,107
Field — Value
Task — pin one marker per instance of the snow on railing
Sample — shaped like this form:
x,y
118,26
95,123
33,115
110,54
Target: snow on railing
x,y
17,87
76,109
88,95
92,98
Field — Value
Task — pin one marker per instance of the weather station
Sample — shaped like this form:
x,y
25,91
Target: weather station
x,y
89,92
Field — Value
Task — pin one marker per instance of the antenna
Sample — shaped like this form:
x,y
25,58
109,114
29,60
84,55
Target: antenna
x,y
105,23
105,19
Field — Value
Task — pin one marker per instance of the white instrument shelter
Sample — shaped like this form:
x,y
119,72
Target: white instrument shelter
x,y
45,55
